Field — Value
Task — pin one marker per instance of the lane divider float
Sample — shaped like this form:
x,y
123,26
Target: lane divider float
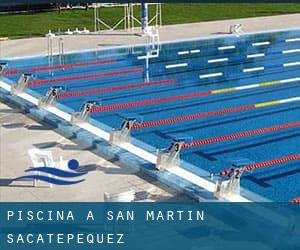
x,y
188,96
296,200
265,164
81,77
161,122
234,136
65,66
116,88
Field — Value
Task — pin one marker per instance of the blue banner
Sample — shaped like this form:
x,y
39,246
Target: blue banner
x,y
149,226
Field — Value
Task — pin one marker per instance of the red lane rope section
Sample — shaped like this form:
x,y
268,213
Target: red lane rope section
x,y
148,102
110,89
71,78
296,200
191,117
65,66
240,134
271,162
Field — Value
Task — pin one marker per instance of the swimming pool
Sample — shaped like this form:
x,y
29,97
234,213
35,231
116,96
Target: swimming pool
x,y
232,99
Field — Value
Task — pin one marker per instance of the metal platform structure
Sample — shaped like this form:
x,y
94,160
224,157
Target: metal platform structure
x,y
129,20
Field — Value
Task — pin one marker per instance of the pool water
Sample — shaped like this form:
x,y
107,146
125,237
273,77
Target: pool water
x,y
193,77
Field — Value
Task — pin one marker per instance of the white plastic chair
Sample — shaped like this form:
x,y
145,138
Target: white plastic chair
x,y
40,158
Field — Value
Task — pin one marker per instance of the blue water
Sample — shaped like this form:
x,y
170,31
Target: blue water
x,y
280,183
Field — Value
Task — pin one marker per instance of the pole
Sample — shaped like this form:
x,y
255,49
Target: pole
x,y
95,17
144,9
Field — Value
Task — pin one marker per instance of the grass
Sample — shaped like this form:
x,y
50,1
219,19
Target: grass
x,y
38,24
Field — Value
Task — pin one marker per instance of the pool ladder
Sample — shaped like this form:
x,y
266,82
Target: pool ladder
x,y
153,48
61,53
50,53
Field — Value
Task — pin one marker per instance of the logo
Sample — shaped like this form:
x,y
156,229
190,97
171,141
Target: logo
x,y
55,175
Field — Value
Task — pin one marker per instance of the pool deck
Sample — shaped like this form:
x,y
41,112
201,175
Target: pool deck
x,y
38,45
106,176
18,133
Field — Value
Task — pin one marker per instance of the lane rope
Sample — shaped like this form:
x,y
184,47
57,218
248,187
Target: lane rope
x,y
80,77
147,102
263,164
269,163
240,135
65,66
111,89
211,113
191,117
296,200
188,96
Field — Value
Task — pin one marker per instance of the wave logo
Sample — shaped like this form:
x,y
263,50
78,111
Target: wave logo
x,y
55,175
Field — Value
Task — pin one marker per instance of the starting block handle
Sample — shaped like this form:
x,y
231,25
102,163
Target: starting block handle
x,y
127,123
3,65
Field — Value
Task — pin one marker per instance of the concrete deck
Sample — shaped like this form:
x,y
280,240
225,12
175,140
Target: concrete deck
x,y
36,46
18,132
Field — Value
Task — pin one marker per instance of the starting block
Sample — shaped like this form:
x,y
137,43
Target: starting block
x,y
84,113
122,135
170,157
22,84
231,185
50,97
226,188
